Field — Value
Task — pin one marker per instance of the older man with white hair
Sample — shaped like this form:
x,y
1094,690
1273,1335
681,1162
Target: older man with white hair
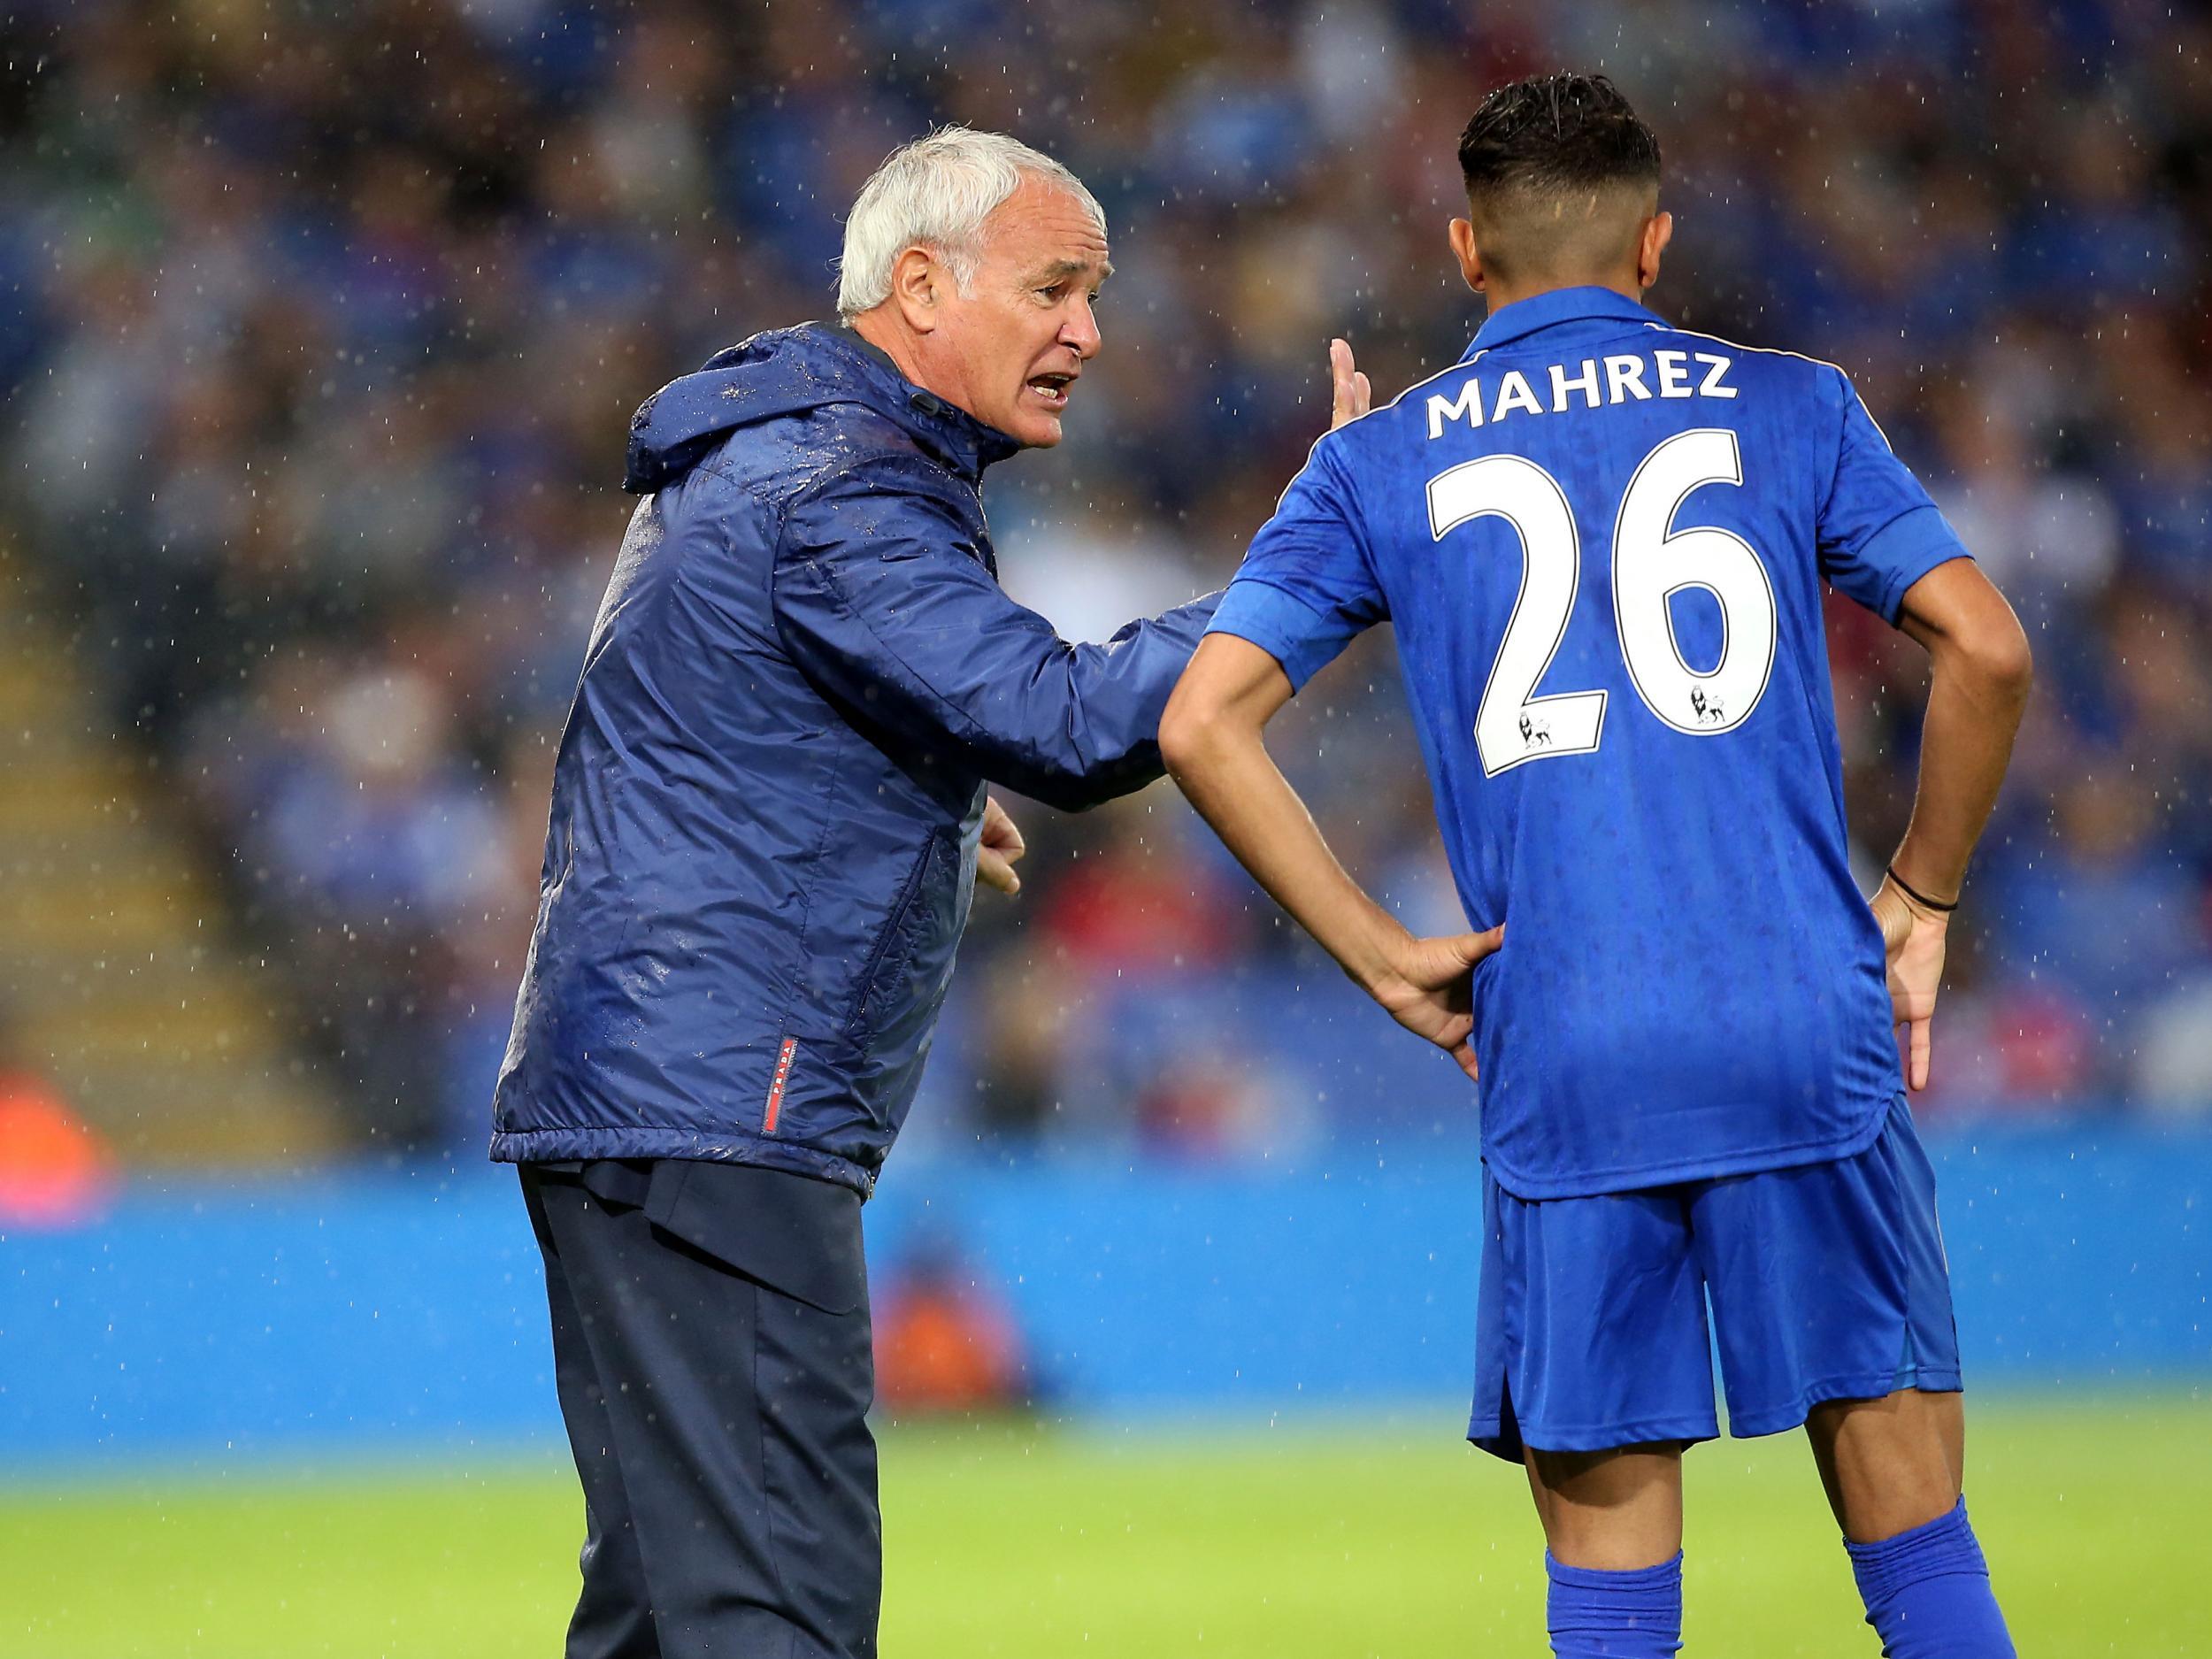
x,y
768,815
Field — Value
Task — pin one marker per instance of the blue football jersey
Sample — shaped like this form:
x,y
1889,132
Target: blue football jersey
x,y
1601,541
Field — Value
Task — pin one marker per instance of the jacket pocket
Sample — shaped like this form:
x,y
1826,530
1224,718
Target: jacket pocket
x,y
883,980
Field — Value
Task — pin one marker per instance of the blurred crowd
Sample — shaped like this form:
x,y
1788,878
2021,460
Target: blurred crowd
x,y
326,322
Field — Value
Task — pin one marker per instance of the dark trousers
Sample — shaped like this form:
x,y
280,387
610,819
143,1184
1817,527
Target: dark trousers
x,y
718,1419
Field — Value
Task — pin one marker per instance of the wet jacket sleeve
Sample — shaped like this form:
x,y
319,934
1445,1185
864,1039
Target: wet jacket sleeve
x,y
883,598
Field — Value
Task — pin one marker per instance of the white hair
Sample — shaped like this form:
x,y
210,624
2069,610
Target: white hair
x,y
936,192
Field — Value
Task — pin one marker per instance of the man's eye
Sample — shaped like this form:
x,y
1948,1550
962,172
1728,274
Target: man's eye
x,y
1054,292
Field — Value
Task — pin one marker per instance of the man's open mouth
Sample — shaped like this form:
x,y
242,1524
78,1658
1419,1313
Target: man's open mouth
x,y
1052,389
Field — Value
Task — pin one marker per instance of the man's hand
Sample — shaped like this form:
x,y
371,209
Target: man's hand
x,y
999,849
1429,990
1350,394
1912,939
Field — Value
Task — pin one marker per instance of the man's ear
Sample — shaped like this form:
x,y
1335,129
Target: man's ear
x,y
1658,232
1463,249
915,276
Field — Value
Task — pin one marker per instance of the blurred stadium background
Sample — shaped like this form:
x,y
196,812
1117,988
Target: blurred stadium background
x,y
322,327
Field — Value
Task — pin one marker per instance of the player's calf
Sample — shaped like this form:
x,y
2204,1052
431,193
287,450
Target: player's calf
x,y
1893,1468
1613,1527
1593,1613
1927,1592
1889,1464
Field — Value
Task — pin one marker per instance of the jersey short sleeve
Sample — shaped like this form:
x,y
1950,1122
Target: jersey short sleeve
x,y
1878,531
1306,590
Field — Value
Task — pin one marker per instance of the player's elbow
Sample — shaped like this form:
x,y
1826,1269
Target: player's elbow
x,y
1219,708
1192,729
1997,656
1974,638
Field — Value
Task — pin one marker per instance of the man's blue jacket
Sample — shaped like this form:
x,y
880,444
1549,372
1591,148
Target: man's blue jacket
x,y
768,794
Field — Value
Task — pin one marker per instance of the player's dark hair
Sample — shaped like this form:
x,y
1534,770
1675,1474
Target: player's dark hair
x,y
1556,135
1559,173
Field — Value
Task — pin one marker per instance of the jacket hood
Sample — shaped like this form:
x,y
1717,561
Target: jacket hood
x,y
787,371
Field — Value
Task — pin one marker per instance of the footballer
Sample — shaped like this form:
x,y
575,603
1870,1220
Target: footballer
x,y
1603,542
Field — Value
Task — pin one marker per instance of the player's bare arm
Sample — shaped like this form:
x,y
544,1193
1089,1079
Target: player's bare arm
x,y
1981,669
1212,737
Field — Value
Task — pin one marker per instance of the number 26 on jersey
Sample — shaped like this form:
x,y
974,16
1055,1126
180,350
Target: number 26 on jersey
x,y
1651,564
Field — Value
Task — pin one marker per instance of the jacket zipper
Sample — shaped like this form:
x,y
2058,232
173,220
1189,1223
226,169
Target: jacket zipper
x,y
892,924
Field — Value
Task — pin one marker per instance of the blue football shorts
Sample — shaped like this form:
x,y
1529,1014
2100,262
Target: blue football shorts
x,y
1825,1282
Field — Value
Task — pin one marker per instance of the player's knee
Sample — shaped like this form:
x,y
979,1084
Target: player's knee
x,y
1610,1511
1909,1500
1890,1464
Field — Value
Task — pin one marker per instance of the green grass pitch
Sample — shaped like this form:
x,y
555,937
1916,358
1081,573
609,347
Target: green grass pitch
x,y
1022,1539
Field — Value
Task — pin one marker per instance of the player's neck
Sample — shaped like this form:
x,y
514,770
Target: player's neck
x,y
1501,294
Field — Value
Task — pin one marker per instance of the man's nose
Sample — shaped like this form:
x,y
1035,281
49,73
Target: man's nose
x,y
1079,329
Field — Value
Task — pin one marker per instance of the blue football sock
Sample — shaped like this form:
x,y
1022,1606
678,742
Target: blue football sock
x,y
1598,1614
1927,1592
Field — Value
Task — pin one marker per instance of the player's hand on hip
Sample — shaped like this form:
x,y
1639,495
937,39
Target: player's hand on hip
x,y
1431,990
1350,395
1913,941
999,849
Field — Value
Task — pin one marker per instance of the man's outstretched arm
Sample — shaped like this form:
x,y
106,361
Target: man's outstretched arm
x,y
885,602
1981,669
1212,738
